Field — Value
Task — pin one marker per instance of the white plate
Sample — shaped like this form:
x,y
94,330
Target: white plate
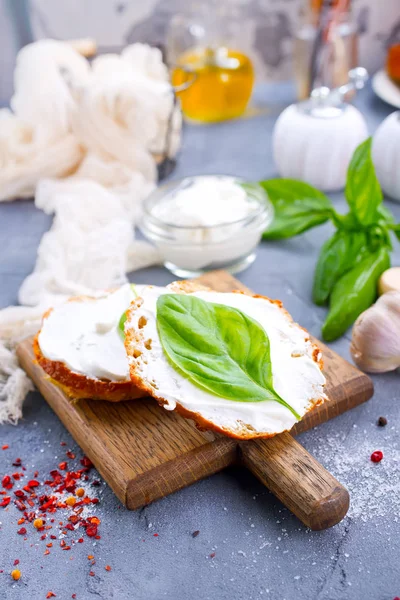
x,y
386,89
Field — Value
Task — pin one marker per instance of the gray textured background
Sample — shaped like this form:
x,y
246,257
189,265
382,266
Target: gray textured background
x,y
261,550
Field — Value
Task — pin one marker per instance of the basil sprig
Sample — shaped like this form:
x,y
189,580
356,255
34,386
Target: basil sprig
x,y
218,348
352,260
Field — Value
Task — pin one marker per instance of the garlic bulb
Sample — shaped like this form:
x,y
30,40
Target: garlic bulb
x,y
389,281
375,345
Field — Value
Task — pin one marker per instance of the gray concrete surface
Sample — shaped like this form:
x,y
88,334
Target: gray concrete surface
x,y
261,550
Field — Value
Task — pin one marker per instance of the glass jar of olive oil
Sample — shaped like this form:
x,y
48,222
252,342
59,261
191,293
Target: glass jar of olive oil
x,y
206,54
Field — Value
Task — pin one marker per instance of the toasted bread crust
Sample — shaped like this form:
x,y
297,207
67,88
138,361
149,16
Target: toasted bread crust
x,y
135,339
77,386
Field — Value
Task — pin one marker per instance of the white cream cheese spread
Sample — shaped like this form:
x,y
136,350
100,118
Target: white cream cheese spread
x,y
204,202
297,378
83,334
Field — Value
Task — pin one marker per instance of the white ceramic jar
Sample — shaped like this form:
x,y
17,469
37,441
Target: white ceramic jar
x,y
386,155
315,144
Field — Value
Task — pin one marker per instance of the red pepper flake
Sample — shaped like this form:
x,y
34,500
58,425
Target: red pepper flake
x,y
5,501
49,545
17,462
16,562
91,530
51,595
377,456
43,537
21,520
94,520
67,548
90,557
86,462
4,447
195,533
107,568
70,454
21,531
53,537
73,596
46,552
155,534
6,481
80,541
91,573
20,505
20,494
33,483
63,466
16,476
63,443
212,555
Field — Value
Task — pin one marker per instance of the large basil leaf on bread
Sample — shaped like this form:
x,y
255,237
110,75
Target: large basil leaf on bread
x,y
218,348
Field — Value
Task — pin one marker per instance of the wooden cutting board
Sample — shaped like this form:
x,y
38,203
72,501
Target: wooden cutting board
x,y
145,452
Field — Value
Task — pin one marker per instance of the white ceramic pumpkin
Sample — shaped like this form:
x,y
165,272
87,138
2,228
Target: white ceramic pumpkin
x,y
386,155
316,146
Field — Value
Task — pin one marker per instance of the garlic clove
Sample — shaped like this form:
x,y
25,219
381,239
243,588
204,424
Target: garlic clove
x,y
375,345
389,281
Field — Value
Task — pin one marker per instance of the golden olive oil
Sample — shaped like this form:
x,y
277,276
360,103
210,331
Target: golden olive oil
x,y
222,83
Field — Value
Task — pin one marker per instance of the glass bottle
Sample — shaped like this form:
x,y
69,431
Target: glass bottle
x,y
325,45
208,46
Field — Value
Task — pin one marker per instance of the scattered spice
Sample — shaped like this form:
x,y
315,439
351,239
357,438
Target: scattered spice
x,y
73,596
195,533
212,555
38,523
21,531
5,501
16,574
91,573
4,447
62,466
16,562
377,456
107,568
51,595
382,422
70,454
155,534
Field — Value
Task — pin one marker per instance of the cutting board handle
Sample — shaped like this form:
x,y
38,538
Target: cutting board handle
x,y
297,479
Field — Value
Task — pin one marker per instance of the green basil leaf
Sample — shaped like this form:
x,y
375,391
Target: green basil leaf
x,y
298,207
353,293
121,322
218,348
385,214
338,255
363,192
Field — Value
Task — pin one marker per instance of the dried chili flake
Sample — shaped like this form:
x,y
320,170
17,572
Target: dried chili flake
x,y
16,476
70,454
212,555
96,483
20,494
90,557
94,500
21,531
46,552
63,466
4,447
16,562
94,520
20,505
6,481
73,596
67,548
21,520
51,595
91,530
53,537
155,534
80,541
5,501
49,545
33,483
86,462
91,573
70,527
107,568
17,462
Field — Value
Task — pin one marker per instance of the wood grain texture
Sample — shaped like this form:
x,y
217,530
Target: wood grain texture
x,y
145,452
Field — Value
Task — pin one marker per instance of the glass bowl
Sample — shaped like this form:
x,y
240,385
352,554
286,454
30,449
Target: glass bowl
x,y
189,251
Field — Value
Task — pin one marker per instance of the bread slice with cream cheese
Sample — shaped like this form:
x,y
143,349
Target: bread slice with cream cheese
x,y
81,348
296,365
